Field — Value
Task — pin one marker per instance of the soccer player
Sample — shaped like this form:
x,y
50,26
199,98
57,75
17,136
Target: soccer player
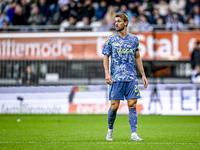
x,y
122,47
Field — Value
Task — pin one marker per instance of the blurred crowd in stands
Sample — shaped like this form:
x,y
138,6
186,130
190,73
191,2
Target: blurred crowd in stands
x,y
142,13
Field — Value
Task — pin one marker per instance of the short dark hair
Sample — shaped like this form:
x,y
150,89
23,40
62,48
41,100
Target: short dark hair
x,y
123,16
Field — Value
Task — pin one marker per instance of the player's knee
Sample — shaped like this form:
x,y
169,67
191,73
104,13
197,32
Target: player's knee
x,y
114,107
132,104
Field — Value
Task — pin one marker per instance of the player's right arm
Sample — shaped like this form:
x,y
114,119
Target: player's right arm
x,y
107,52
108,77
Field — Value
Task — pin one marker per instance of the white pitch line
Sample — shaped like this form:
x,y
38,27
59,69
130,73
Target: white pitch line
x,y
166,143
98,142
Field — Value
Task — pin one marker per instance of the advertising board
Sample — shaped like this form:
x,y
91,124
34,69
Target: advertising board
x,y
88,45
167,99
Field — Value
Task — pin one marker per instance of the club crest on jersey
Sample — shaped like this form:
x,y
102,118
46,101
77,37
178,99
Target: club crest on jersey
x,y
131,43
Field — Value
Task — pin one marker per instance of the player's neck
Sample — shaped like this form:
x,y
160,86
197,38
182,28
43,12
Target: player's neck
x,y
123,33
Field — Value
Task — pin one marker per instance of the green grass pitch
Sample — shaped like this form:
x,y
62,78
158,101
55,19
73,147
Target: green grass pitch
x,y
88,132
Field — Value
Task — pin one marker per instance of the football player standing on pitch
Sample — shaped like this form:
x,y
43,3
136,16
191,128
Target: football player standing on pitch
x,y
122,47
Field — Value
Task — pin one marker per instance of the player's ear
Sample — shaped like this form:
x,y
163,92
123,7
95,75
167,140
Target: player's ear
x,y
126,23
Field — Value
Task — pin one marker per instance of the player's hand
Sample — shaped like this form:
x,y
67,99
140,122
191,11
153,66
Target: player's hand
x,y
109,79
145,82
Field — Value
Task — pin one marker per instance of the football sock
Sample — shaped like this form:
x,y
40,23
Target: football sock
x,y
133,119
111,118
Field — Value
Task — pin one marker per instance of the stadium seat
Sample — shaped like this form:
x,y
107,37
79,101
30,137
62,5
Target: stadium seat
x,y
79,24
64,25
95,25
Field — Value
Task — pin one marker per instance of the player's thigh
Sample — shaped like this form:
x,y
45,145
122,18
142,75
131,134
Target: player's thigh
x,y
132,103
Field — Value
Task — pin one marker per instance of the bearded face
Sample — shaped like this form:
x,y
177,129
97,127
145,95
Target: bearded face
x,y
120,24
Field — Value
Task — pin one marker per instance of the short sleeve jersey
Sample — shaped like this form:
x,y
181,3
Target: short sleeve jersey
x,y
122,53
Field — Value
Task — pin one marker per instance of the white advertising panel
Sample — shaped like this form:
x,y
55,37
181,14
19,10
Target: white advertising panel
x,y
37,103
34,100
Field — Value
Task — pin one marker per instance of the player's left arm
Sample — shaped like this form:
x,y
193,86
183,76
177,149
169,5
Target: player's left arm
x,y
139,64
